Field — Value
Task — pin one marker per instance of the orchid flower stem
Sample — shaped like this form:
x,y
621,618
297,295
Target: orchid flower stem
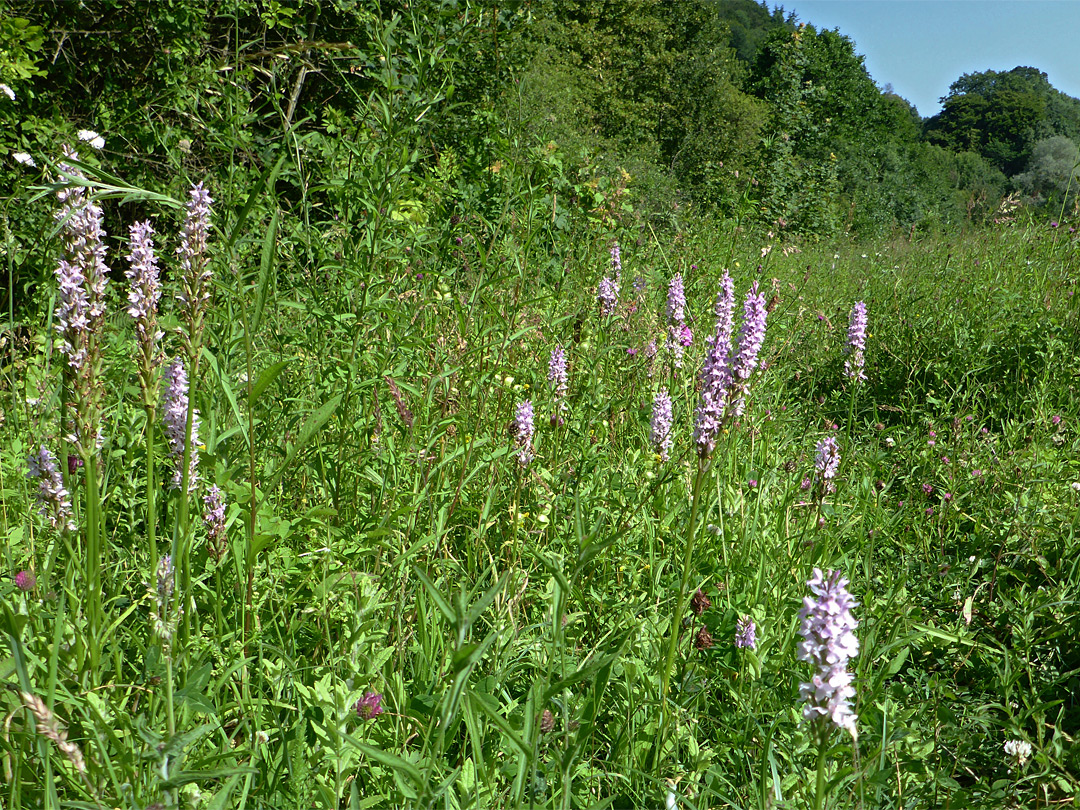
x,y
182,540
823,747
151,488
680,604
93,560
851,411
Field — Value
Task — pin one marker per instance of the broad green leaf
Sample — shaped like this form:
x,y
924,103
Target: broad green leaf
x,y
267,262
265,379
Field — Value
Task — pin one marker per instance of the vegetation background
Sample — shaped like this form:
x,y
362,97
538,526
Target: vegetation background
x,y
414,204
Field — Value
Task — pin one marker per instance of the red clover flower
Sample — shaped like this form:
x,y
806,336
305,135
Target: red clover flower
x,y
25,581
369,706
829,643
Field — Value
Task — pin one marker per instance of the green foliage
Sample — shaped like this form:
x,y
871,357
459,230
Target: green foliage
x,y
20,50
1001,115
686,97
385,539
750,23
799,181
415,203
1053,176
712,131
655,87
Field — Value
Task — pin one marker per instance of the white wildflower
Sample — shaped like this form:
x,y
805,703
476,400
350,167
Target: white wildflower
x,y
7,91
1018,751
23,158
92,138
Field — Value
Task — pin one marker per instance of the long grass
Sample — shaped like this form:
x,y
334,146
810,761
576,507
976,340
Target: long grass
x,y
528,627
516,620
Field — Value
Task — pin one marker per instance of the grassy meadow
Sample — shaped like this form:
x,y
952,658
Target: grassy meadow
x,y
411,601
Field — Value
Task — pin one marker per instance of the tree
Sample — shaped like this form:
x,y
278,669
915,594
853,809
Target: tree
x,y
1053,174
1002,114
712,133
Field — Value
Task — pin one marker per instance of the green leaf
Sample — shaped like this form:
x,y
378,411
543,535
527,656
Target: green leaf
x,y
481,604
102,186
312,425
199,703
436,597
897,662
477,701
179,742
392,761
554,569
266,378
464,660
226,388
220,799
267,263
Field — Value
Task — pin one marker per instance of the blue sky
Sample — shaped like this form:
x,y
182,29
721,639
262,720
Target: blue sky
x,y
920,47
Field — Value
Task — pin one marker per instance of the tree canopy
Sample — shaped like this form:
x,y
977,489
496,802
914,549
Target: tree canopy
x,y
724,107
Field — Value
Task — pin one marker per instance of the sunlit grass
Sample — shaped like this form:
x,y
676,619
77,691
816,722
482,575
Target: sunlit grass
x,y
383,537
